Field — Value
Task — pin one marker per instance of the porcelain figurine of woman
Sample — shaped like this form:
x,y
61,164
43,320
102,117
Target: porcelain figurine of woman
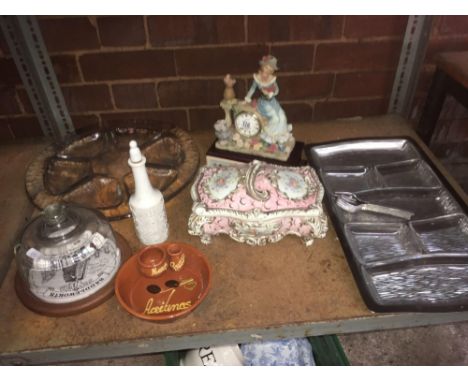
x,y
277,131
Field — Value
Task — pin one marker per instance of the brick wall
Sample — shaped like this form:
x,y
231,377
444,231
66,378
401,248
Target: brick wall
x,y
171,68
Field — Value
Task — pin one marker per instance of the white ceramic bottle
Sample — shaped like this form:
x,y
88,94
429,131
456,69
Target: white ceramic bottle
x,y
147,203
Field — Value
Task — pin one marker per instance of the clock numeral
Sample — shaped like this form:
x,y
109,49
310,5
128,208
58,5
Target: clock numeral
x,y
247,125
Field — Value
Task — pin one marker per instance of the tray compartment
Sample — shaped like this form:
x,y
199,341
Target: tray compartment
x,y
378,244
441,282
350,178
363,152
425,203
443,234
409,173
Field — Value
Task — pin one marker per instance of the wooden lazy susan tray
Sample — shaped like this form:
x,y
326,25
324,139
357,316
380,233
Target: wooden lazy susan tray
x,y
93,171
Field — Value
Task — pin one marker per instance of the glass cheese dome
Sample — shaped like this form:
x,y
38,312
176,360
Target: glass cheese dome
x,y
66,255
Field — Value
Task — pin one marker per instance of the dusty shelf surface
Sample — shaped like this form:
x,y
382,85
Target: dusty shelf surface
x,y
279,290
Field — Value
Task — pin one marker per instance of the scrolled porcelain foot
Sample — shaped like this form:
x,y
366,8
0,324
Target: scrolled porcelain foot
x,y
206,239
308,241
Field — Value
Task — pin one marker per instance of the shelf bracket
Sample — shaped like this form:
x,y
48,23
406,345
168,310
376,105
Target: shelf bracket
x,y
28,50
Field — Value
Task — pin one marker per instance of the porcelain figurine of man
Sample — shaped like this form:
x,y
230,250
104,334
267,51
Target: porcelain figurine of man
x,y
277,131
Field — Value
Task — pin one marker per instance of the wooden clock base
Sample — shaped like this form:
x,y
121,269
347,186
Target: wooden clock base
x,y
216,155
61,310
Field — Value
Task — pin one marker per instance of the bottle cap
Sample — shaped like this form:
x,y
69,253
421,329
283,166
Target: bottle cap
x,y
135,153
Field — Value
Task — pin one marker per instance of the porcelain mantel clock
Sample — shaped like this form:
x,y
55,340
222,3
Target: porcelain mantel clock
x,y
256,127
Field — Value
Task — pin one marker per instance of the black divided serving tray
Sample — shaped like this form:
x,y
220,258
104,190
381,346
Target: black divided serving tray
x,y
419,264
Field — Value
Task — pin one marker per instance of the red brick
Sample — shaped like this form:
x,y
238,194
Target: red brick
x,y
122,31
8,73
190,92
24,99
375,26
8,103
305,86
454,25
135,96
5,132
219,61
76,98
69,34
358,56
444,44
195,92
166,118
435,25
298,112
87,98
25,127
195,30
66,68
85,123
127,65
293,28
294,58
363,84
204,119
350,108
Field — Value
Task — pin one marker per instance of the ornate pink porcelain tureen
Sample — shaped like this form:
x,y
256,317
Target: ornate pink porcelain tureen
x,y
257,203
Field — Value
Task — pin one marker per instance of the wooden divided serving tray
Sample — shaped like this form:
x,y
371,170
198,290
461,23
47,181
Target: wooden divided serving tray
x,y
92,170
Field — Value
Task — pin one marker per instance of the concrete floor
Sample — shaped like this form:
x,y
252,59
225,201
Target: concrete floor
x,y
425,346
436,345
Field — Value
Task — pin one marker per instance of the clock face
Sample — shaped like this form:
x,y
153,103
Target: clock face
x,y
247,124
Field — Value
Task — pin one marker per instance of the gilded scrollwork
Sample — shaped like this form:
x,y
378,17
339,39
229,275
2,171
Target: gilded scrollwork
x,y
258,210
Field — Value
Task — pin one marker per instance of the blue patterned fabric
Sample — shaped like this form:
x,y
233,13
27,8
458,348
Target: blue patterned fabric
x,y
290,352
